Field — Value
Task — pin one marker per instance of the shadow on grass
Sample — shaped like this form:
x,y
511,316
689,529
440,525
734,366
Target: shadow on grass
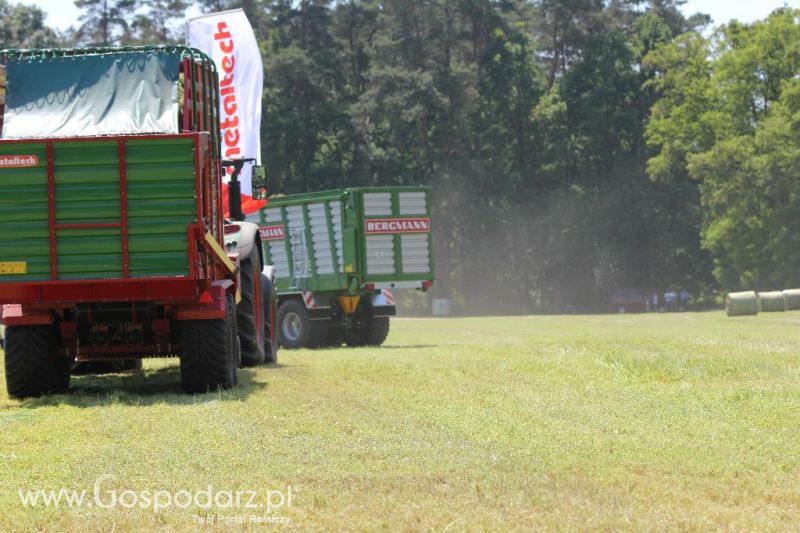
x,y
142,388
382,347
405,346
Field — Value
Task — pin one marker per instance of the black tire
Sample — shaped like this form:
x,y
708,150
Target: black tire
x,y
294,325
250,316
367,330
376,331
296,329
33,367
209,352
235,342
270,312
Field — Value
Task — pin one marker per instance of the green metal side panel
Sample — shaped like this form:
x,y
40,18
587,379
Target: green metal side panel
x,y
161,203
24,213
340,258
87,192
309,256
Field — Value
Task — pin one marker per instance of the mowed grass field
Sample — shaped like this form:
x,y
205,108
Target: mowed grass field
x,y
663,421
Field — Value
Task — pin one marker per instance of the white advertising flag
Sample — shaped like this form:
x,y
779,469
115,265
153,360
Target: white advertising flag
x,y
228,39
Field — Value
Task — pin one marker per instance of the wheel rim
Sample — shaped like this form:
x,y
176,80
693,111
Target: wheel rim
x,y
292,326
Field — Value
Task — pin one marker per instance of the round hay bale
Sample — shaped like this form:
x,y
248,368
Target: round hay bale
x,y
771,302
792,299
741,303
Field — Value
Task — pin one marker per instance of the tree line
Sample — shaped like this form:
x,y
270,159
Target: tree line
x,y
574,146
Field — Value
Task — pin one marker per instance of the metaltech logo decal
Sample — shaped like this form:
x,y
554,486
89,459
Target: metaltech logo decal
x,y
17,161
272,233
378,226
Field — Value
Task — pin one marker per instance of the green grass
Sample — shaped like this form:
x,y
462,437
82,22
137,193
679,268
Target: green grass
x,y
682,421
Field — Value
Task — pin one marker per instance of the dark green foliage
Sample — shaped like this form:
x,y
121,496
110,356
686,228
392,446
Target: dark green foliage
x,y
727,118
158,22
104,22
23,26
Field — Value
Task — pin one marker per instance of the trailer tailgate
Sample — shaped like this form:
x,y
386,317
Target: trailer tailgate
x,y
96,208
395,236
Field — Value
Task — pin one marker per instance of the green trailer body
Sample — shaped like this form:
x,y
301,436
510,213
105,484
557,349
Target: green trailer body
x,y
357,243
160,196
340,240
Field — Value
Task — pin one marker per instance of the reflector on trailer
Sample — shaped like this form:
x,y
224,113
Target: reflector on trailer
x,y
205,298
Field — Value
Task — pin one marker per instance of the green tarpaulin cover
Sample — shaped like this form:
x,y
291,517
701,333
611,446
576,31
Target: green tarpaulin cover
x,y
96,94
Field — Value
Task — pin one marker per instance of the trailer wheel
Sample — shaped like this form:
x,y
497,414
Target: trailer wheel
x,y
209,352
249,316
294,325
33,367
367,330
378,330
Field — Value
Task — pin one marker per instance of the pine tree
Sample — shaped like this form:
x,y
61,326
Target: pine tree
x,y
104,22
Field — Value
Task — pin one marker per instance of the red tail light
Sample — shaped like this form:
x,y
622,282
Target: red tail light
x,y
369,286
232,228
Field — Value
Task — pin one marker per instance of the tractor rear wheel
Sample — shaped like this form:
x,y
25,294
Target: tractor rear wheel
x,y
250,311
33,367
210,352
235,341
270,325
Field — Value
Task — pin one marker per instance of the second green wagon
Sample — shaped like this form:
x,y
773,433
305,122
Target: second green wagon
x,y
339,254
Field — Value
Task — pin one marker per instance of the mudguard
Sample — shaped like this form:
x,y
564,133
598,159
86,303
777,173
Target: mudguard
x,y
248,237
383,303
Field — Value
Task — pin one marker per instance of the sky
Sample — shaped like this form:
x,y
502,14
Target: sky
x,y
723,11
63,13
